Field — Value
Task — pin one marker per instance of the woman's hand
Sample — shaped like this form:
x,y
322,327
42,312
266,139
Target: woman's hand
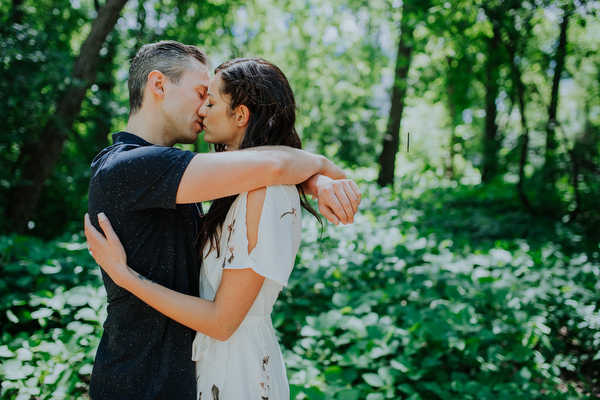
x,y
107,249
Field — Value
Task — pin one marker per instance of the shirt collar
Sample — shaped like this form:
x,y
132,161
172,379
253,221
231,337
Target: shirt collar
x,y
129,138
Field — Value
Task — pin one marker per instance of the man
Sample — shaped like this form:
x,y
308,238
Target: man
x,y
150,190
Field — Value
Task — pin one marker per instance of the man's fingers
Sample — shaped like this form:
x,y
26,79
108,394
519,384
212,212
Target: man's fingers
x,y
357,195
352,192
342,198
329,214
334,203
347,213
350,200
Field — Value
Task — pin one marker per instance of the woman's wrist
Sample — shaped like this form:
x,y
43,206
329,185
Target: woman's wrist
x,y
124,277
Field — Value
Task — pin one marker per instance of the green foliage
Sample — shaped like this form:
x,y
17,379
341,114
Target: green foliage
x,y
39,42
439,291
339,57
433,293
52,305
332,54
34,70
383,309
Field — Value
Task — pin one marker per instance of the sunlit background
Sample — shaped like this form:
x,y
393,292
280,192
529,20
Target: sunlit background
x,y
471,126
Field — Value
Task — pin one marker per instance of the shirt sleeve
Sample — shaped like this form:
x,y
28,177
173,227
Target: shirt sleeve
x,y
144,178
279,235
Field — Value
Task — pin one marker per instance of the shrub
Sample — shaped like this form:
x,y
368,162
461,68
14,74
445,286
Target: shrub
x,y
51,308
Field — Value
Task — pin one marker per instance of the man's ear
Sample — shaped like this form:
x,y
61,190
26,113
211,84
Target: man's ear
x,y
242,115
156,83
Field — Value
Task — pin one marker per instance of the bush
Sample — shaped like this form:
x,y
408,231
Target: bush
x,y
381,311
430,294
51,308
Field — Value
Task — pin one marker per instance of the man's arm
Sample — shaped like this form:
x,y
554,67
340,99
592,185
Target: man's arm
x,y
211,176
338,199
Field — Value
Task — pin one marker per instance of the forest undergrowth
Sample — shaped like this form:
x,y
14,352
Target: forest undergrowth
x,y
435,292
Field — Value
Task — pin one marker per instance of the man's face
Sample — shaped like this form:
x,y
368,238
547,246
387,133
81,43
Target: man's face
x,y
182,104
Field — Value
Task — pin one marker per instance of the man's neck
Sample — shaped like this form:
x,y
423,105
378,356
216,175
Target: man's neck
x,y
147,128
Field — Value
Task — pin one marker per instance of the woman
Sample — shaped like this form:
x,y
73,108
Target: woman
x,y
248,244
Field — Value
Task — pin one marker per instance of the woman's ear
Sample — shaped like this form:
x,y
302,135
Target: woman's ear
x,y
242,115
156,83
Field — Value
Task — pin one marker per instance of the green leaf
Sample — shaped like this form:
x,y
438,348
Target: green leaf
x,y
399,366
78,296
87,314
309,331
51,269
80,328
340,299
348,394
373,380
5,352
41,313
24,354
12,317
313,393
525,373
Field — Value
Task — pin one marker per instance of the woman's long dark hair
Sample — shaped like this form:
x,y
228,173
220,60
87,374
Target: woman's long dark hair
x,y
264,89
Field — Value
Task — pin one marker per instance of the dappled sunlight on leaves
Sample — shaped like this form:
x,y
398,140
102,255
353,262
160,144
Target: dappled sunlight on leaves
x,y
52,305
394,306
406,313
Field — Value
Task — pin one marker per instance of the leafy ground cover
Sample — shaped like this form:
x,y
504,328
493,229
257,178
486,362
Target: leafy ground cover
x,y
441,294
433,293
51,307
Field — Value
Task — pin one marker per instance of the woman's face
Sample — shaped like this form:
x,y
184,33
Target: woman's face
x,y
220,124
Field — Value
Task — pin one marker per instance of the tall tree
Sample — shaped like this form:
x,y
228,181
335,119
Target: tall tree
x,y
451,106
39,159
514,41
559,62
16,13
491,139
412,13
391,141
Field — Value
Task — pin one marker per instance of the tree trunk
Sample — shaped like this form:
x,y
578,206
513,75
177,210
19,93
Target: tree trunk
x,y
491,142
510,44
387,158
16,14
43,156
105,84
551,142
525,134
451,105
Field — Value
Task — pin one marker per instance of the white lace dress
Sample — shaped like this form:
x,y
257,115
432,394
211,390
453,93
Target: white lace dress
x,y
249,366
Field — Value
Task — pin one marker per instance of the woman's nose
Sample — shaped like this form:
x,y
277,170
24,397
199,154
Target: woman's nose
x,y
202,109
